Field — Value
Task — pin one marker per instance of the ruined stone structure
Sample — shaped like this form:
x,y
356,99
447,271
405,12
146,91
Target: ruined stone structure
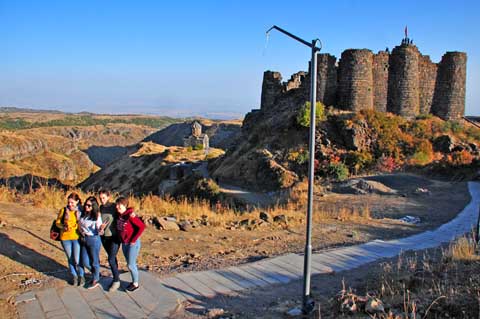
x,y
197,139
402,82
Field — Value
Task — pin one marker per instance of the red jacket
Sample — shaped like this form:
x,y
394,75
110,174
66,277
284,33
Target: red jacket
x,y
129,227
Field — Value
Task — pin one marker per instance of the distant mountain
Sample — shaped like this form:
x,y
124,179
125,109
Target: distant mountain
x,y
11,109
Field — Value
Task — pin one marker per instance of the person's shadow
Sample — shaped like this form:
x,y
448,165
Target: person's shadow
x,y
31,258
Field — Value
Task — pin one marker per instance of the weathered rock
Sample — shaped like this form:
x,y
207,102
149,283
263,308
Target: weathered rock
x,y
265,216
185,225
214,312
374,305
444,144
280,219
244,222
166,224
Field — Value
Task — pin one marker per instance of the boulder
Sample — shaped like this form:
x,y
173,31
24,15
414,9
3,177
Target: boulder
x,y
185,225
166,224
374,305
444,144
266,217
280,219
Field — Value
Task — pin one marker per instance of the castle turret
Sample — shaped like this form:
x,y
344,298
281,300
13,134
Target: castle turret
x,y
326,79
355,80
380,80
271,88
403,81
449,97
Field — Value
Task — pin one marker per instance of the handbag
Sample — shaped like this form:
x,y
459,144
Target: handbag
x,y
54,231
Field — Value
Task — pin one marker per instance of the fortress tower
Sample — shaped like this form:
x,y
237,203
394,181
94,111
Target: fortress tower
x,y
326,79
403,81
449,96
355,80
271,88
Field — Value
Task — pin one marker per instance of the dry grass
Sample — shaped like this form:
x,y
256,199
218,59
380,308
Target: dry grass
x,y
444,283
183,209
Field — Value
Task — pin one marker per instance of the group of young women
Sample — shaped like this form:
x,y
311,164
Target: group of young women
x,y
84,228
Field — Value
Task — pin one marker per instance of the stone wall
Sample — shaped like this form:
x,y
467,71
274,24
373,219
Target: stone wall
x,y
295,81
380,80
403,90
427,79
449,97
271,89
355,80
403,82
326,79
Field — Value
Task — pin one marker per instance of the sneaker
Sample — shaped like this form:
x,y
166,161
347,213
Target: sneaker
x,y
132,287
114,286
81,282
93,285
74,281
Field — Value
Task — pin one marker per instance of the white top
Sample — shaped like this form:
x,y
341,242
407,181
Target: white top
x,y
90,227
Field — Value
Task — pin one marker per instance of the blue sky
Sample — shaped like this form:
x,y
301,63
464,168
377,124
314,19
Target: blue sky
x,y
198,57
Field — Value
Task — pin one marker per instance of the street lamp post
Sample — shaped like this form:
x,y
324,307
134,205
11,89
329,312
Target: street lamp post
x,y
308,303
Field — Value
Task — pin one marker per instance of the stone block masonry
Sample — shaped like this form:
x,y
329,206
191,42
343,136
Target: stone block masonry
x,y
355,80
404,82
449,96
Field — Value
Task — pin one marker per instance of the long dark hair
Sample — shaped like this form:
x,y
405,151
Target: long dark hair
x,y
93,214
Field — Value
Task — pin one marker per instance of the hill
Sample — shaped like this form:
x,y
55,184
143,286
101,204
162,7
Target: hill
x,y
273,148
67,147
222,134
152,168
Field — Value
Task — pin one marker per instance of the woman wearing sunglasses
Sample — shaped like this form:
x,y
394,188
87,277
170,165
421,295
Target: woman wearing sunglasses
x,y
90,226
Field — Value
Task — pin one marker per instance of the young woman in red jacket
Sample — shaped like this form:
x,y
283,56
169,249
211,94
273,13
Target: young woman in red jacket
x,y
129,227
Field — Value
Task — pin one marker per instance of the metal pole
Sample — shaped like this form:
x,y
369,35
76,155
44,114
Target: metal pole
x,y
308,303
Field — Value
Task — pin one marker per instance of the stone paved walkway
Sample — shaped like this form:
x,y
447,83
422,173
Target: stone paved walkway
x,y
158,297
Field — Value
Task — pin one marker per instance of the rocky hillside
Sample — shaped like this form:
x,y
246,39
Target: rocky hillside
x,y
67,147
222,134
273,148
152,168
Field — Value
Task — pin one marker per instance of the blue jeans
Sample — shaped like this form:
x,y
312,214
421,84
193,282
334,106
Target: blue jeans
x,y
91,255
130,251
72,250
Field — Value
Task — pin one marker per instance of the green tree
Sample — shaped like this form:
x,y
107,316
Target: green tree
x,y
303,116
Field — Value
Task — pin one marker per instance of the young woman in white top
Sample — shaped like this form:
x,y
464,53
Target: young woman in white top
x,y
90,227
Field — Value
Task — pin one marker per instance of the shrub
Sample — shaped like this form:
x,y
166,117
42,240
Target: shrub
x,y
303,116
338,171
358,160
461,158
386,164
423,153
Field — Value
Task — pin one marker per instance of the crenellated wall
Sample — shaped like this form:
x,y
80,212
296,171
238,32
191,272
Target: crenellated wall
x,y
403,82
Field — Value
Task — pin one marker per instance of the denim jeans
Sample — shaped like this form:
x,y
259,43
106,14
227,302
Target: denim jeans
x,y
112,245
90,255
130,251
72,250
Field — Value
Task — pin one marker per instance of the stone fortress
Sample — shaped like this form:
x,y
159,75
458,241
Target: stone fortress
x,y
402,82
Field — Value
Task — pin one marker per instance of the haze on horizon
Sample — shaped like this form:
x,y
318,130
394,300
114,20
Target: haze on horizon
x,y
199,58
